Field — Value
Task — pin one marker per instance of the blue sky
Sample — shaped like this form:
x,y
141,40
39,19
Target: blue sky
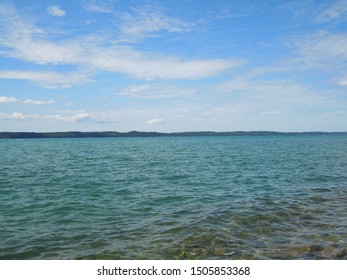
x,y
179,65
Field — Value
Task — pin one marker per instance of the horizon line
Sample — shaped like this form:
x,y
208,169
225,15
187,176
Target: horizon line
x,y
186,131
135,133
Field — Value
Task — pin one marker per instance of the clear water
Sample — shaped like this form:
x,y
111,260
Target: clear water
x,y
174,198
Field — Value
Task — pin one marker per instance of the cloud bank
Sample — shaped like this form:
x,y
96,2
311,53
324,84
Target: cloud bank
x,y
23,40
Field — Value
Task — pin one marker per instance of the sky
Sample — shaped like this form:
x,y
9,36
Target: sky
x,y
173,66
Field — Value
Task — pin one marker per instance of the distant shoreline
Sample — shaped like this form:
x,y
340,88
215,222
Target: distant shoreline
x,y
115,134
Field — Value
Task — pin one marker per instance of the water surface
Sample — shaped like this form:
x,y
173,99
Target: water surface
x,y
271,197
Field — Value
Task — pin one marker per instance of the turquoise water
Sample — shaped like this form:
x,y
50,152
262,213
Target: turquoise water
x,y
174,198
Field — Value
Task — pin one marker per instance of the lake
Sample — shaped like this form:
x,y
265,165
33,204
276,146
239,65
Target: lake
x,y
249,197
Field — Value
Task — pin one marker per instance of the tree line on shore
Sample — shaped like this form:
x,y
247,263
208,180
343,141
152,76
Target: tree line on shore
x,y
79,134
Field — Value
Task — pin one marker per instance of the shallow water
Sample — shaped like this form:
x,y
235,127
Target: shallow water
x,y
269,197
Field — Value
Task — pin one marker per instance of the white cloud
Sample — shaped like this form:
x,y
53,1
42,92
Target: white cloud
x,y
151,66
335,11
24,41
269,95
13,116
97,7
144,20
156,91
38,102
323,51
71,118
155,121
343,82
4,99
47,79
17,116
318,11
136,90
244,84
56,11
81,117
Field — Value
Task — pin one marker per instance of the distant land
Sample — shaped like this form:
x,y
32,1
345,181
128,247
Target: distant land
x,y
79,134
